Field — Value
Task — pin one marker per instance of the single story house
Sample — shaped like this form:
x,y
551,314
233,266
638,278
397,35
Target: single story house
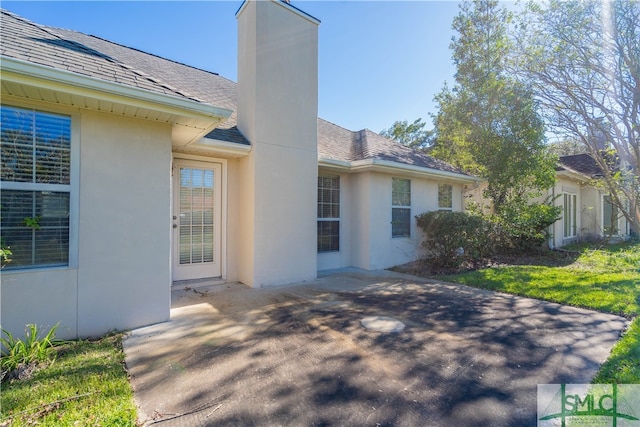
x,y
587,211
124,172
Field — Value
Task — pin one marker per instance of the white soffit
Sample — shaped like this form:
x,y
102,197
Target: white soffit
x,y
190,119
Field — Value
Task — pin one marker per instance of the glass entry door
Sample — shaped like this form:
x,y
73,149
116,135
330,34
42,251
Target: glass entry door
x,y
196,220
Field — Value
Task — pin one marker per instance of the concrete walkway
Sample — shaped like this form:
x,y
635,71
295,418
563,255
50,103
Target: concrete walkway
x,y
300,356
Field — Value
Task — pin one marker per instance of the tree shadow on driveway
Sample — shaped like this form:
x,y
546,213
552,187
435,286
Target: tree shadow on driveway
x,y
300,355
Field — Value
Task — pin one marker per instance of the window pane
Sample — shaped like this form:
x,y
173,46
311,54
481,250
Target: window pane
x,y
400,222
196,198
400,192
52,165
35,146
17,161
328,196
574,219
46,244
52,246
328,236
329,207
445,196
570,215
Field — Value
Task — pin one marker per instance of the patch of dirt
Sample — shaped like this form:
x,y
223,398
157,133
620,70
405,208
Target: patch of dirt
x,y
426,268
23,372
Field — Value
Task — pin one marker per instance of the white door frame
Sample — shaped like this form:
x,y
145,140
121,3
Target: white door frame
x,y
219,269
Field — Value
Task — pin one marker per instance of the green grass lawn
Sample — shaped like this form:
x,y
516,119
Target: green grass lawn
x,y
606,279
86,385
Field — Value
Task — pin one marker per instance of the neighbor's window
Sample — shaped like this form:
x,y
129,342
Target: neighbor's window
x,y
445,197
328,213
610,217
401,207
569,215
35,150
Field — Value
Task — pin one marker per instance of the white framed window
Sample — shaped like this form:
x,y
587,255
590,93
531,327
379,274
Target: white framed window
x,y
35,195
328,213
400,207
569,215
445,197
610,217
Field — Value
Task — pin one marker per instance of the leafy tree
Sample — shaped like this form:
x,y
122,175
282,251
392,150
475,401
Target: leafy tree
x,y
583,60
566,147
488,122
410,134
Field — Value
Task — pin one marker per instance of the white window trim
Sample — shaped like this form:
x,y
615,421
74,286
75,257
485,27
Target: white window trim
x,y
73,188
333,219
443,208
400,207
225,202
573,226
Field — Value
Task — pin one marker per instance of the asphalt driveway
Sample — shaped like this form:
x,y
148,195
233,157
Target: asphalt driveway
x,y
300,355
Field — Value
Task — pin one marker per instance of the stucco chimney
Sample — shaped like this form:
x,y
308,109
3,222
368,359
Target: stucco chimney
x,y
277,112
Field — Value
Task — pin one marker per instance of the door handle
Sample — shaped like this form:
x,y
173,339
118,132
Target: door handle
x,y
175,225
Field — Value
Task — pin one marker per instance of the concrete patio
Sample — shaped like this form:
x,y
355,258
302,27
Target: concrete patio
x,y
300,355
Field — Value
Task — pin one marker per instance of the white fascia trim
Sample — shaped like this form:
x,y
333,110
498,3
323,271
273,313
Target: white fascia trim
x,y
335,164
395,167
24,72
389,166
222,146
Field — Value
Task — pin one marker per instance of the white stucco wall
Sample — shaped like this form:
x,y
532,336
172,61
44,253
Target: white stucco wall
x,y
233,224
360,233
122,277
124,269
387,251
277,112
366,240
42,297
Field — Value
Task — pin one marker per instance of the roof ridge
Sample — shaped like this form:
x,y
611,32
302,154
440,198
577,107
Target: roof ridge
x,y
337,125
44,28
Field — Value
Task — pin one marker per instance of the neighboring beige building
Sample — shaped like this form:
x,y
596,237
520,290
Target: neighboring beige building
x,y
587,211
136,172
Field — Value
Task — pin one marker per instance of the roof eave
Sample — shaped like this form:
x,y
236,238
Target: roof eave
x,y
571,174
221,148
198,117
387,166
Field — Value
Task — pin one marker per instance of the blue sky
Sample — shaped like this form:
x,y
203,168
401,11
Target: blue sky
x,y
379,61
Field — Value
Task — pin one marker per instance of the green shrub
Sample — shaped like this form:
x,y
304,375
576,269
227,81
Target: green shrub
x,y
452,237
526,227
31,349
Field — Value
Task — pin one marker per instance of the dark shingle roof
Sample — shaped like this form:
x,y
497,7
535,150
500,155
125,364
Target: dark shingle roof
x,y
581,163
95,57
24,40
